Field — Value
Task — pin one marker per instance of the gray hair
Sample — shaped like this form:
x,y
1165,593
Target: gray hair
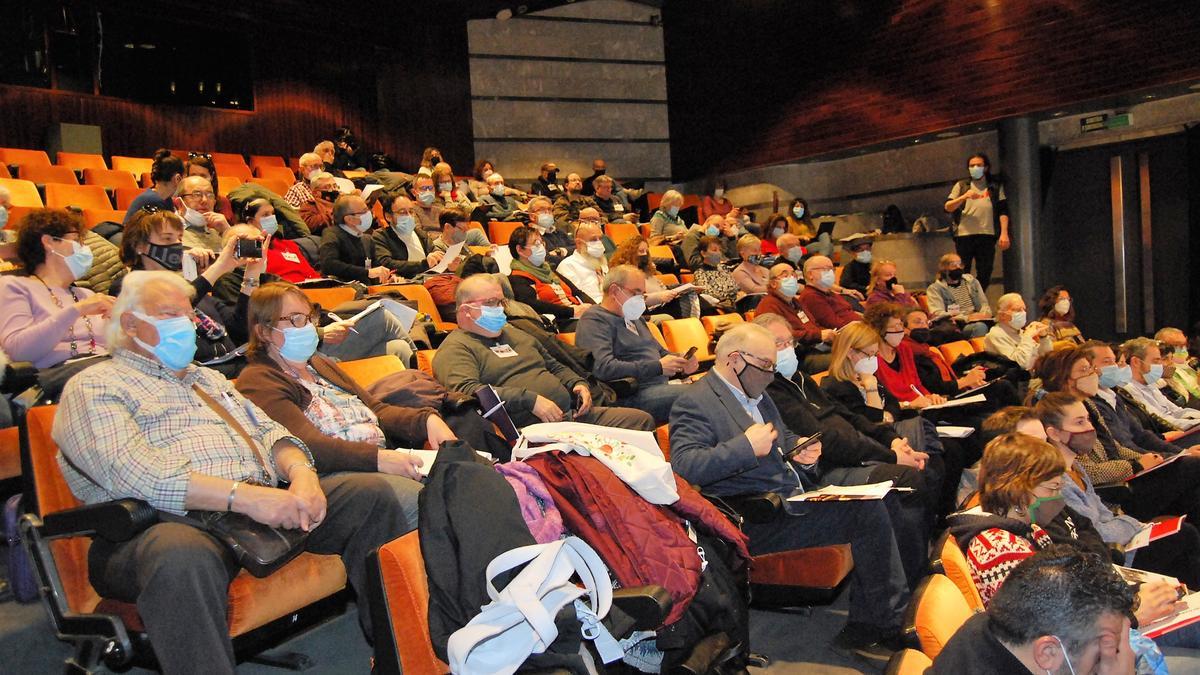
x,y
735,339
767,320
671,196
495,177
318,176
310,158
602,180
341,208
1162,334
5,195
469,285
619,276
1138,347
134,288
1008,300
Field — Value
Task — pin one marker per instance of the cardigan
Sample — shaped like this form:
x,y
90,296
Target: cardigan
x,y
900,383
804,329
829,310
284,399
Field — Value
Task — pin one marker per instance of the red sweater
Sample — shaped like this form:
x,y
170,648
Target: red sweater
x,y
827,309
803,328
285,260
900,382
993,553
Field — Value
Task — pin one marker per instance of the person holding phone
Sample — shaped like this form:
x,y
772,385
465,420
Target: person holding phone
x,y
623,347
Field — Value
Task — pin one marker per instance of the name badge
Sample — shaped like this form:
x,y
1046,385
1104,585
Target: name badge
x,y
803,317
504,351
291,257
617,206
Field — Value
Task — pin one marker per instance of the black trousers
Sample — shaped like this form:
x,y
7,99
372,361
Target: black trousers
x,y
1172,490
179,575
980,248
1177,555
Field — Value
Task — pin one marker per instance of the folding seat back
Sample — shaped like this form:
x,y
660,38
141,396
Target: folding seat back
x,y
279,173
238,171
499,231
22,192
683,334
79,161
126,195
619,232
109,179
955,350
24,157
44,175
134,165
936,611
396,578
79,196
366,372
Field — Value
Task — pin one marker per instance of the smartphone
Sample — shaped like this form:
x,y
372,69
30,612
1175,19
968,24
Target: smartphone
x,y
690,352
247,248
576,405
804,443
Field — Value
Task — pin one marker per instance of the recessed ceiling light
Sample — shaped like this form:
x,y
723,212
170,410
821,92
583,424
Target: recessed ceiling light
x,y
1195,86
1060,113
947,134
1147,97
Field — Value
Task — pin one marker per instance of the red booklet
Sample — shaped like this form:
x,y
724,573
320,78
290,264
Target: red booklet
x,y
1155,531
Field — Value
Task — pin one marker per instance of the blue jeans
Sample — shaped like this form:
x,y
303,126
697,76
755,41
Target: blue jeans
x,y
655,399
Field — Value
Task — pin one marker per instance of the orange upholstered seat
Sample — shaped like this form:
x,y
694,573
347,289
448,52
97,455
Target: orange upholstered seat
x,y
499,232
955,350
936,611
134,165
43,175
110,179
683,334
397,574
328,298
367,371
280,173
81,161
23,157
956,568
619,232
93,217
22,192
60,196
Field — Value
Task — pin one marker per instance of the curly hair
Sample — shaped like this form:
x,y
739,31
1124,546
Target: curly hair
x,y
55,223
627,254
1054,368
1049,299
877,316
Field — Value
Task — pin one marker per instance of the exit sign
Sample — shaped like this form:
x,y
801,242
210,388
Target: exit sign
x,y
1103,121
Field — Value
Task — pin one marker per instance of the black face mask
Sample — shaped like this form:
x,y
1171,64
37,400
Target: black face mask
x,y
891,282
754,380
331,195
644,260
919,335
169,256
955,275
552,177
435,160
599,172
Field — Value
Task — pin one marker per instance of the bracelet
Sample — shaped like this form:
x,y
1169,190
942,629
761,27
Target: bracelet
x,y
872,391
247,282
232,494
308,465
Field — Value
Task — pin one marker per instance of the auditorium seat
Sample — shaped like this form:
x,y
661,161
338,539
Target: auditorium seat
x,y
350,174
366,372
261,161
656,333
661,252
667,280
22,192
908,662
10,452
328,298
227,158
683,334
956,350
425,360
619,232
280,173
936,612
653,199
499,231
397,580
950,560
568,338
109,179
4,171
44,175
239,171
275,185
93,217
23,157
80,196
226,184
134,165
977,344
420,295
720,322
80,161
817,377
126,195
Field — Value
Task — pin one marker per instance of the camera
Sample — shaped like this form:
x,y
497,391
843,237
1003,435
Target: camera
x,y
248,248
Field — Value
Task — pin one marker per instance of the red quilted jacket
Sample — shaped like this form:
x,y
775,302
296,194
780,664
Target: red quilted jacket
x,y
642,543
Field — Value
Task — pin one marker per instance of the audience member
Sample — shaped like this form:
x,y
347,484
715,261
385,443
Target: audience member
x,y
716,203
201,164
980,212
402,247
317,213
1184,380
775,228
166,173
958,296
300,194
599,169
203,226
852,380
430,157
558,241
750,276
1012,337
448,193
936,375
666,227
1060,610
822,299
897,369
568,204
729,438
726,234
327,151
347,251
1146,364
149,425
534,386
536,284
711,274
800,221
546,184
478,181
811,341
673,302
856,274
884,286
1058,312
622,346
586,267
497,203
613,205
790,250
425,210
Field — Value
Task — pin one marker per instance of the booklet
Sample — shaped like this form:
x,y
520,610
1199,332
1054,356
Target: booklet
x,y
956,402
848,493
1154,532
1156,467
949,431
405,314
1188,616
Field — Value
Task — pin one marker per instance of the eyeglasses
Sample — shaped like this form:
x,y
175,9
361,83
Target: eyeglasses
x,y
299,319
593,223
821,269
869,355
757,361
493,302
199,195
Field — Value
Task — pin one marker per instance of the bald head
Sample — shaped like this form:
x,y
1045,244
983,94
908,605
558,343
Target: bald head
x,y
473,288
473,294
781,270
590,214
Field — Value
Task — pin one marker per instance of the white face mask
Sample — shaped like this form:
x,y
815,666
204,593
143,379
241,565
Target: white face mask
x,y
1018,320
867,365
894,339
634,307
193,217
1062,306
719,193
595,248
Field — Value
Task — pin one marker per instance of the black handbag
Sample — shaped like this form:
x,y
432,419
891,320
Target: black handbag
x,y
259,548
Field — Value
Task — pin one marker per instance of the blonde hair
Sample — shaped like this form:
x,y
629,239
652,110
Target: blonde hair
x,y
854,335
672,197
875,271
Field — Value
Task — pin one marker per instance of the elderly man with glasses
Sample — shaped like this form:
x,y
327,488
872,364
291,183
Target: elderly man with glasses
x,y
535,387
204,227
822,299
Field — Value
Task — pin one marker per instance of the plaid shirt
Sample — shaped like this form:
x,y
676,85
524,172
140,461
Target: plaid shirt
x,y
298,194
130,428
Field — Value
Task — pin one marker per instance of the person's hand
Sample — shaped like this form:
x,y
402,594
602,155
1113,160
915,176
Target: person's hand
x,y
437,431
1116,656
400,463
978,316
900,445
545,410
693,364
1149,460
268,505
937,399
897,289
202,256
225,261
912,458
973,378
97,304
853,293
921,402
631,218
1036,329
578,310
380,273
585,400
1157,599
1004,242
216,221
453,265
762,438
868,381
434,258
1194,450
672,364
307,489
828,334
809,455
336,332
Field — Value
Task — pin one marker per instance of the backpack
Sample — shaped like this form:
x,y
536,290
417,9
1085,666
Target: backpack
x,y
20,568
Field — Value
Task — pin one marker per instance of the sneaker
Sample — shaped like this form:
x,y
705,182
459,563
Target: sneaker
x,y
864,644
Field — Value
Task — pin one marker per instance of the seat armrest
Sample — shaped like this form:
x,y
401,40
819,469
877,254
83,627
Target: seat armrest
x,y
759,508
1115,493
118,520
648,605
17,377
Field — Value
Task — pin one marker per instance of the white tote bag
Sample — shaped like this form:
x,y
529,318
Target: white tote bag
x,y
520,619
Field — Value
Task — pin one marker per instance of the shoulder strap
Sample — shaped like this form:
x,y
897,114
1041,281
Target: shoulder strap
x,y
232,422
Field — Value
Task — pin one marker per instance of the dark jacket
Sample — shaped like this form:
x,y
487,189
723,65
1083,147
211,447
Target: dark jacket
x,y
525,290
1127,431
857,276
392,252
975,649
344,255
284,399
849,396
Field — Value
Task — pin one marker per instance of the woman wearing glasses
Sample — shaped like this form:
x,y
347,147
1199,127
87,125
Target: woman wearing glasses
x,y
44,318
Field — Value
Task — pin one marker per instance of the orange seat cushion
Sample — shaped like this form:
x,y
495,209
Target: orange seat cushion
x,y
817,567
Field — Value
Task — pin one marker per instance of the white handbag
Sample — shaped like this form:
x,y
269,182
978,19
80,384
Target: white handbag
x,y
520,619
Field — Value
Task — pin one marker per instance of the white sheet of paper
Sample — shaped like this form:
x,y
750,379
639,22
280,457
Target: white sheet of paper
x,y
405,314
712,300
954,403
948,431
344,185
370,308
871,491
451,254
371,188
503,258
1183,618
189,267
427,457
643,440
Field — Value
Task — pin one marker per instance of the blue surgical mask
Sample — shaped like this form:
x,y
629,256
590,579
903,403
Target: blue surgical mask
x,y
176,340
425,198
269,225
3,217
789,287
794,254
827,279
537,256
863,257
545,221
445,187
365,220
498,190
672,211
798,212
491,319
1115,376
712,231
80,260
404,225
786,362
1018,320
1155,374
299,343
976,172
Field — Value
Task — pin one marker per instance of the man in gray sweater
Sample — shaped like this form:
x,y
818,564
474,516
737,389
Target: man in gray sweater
x,y
534,386
622,346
